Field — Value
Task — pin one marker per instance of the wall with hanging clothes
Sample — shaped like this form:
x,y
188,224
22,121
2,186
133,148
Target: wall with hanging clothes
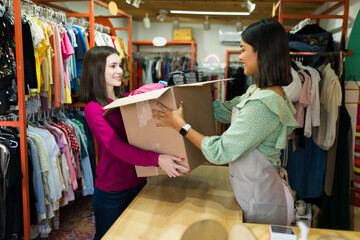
x,y
59,170
317,93
214,71
58,152
53,51
151,67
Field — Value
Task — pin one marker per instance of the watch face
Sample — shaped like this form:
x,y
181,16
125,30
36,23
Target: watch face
x,y
183,131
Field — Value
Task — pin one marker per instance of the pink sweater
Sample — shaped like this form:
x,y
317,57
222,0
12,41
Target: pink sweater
x,y
115,170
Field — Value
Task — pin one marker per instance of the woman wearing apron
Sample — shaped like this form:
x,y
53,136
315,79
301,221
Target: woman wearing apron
x,y
261,121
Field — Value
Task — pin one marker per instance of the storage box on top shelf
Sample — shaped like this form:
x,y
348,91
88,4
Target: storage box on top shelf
x,y
183,34
142,132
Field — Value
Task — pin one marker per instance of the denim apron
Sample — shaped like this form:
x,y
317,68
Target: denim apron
x,y
259,189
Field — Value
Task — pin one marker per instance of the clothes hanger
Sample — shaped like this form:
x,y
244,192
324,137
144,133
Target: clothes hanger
x,y
297,69
11,143
352,78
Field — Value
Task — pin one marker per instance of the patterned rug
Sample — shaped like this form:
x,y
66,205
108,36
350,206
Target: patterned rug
x,y
77,221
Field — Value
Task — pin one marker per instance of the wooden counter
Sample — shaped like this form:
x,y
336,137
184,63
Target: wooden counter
x,y
167,207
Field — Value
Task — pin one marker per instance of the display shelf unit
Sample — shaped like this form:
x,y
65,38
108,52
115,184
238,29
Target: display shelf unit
x,y
21,123
192,45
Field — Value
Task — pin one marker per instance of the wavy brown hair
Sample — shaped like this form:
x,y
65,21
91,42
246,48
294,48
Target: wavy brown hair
x,y
269,39
92,80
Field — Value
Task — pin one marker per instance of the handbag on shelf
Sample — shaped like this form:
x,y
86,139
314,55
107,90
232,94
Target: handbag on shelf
x,y
184,77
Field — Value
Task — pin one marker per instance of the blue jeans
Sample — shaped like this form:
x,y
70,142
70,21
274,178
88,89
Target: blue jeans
x,y
108,206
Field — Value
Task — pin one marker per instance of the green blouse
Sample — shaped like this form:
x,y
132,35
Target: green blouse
x,y
264,121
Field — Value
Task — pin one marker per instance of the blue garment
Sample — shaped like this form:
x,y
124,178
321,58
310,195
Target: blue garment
x,y
306,169
108,206
149,77
90,139
304,47
37,180
87,173
165,70
88,189
80,50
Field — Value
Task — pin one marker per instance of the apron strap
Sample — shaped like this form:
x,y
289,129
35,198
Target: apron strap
x,y
284,176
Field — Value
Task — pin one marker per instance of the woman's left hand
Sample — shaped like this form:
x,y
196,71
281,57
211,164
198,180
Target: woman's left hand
x,y
169,118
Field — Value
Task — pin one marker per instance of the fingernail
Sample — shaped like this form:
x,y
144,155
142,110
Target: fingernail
x,y
189,171
182,159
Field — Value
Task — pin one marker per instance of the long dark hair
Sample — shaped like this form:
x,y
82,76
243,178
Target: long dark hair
x,y
92,80
270,41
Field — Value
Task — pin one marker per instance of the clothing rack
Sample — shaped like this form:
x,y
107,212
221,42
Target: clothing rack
x,y
324,15
101,19
346,53
192,44
17,6
21,122
163,53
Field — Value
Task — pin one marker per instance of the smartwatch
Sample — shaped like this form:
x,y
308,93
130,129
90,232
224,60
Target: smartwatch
x,y
184,130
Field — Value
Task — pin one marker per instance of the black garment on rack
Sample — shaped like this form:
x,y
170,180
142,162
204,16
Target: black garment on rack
x,y
7,71
32,197
238,86
13,201
335,210
29,58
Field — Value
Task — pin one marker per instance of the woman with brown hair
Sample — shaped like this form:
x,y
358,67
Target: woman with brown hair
x,y
116,184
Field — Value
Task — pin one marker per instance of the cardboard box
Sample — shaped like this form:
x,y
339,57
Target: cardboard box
x,y
183,34
142,133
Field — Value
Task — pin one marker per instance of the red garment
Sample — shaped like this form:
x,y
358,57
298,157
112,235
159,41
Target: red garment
x,y
147,88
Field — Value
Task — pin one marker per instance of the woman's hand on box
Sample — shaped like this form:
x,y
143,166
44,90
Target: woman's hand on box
x,y
169,164
169,118
175,119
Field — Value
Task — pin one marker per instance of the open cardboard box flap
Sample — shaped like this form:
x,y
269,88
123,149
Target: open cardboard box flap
x,y
152,95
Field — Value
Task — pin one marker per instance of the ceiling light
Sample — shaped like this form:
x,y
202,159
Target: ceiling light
x,y
239,25
146,21
207,24
176,24
210,13
251,6
128,1
162,15
136,3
